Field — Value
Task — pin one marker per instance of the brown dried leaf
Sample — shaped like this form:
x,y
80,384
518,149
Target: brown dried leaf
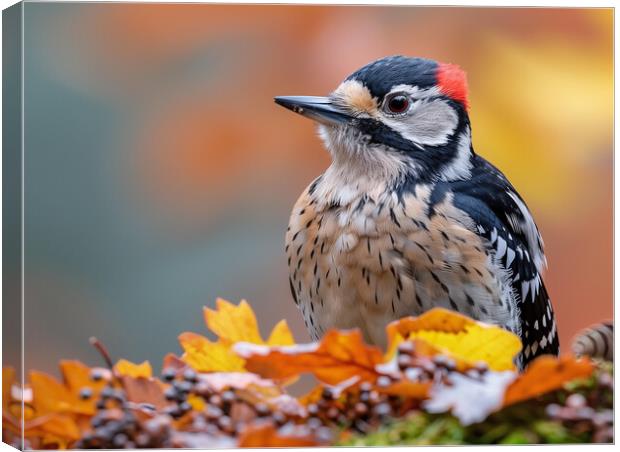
x,y
144,390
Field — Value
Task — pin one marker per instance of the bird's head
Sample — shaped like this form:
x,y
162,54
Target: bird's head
x,y
395,117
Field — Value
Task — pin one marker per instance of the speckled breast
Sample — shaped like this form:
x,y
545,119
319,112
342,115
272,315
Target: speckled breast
x,y
374,259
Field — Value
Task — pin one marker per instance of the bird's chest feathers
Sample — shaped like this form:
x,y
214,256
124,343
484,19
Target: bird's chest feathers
x,y
357,209
361,255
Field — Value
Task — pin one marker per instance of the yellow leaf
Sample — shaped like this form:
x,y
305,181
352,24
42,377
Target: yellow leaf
x,y
206,356
127,368
233,323
281,335
464,339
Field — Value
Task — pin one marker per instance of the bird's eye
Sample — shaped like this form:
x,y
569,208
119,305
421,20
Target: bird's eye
x,y
397,104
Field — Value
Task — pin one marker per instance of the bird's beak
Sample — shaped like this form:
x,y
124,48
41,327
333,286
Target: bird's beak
x,y
320,109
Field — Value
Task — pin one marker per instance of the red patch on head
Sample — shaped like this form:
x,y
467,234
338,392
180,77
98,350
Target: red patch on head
x,y
452,82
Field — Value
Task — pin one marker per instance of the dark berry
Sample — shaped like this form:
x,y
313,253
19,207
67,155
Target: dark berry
x,y
171,393
406,347
86,393
182,386
262,409
120,440
190,375
168,374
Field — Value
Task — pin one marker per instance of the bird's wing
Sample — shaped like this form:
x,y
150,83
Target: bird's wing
x,y
502,218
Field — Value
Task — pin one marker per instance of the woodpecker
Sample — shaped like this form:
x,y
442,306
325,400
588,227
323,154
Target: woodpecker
x,y
408,217
596,341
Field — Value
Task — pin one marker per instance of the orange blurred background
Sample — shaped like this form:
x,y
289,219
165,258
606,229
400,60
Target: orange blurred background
x,y
160,174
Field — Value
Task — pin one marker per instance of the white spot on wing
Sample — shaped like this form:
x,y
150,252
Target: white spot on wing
x,y
510,257
525,288
501,247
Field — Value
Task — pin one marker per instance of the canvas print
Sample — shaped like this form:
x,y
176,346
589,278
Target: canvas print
x,y
233,225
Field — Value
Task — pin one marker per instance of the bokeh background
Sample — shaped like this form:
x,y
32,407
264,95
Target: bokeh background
x,y
160,174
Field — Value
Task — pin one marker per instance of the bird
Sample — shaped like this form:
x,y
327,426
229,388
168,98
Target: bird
x,y
408,217
596,341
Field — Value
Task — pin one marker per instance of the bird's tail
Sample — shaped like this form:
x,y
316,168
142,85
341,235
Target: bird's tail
x,y
596,341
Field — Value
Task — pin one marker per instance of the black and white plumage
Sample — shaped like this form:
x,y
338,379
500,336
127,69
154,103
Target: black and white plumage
x,y
596,341
408,217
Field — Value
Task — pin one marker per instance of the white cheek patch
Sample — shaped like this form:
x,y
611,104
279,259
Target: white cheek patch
x,y
429,123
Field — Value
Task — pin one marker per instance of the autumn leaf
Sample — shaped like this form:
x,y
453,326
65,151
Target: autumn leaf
x,y
55,407
339,356
142,390
355,378
406,388
171,361
547,373
129,369
52,396
54,430
77,376
267,435
206,356
462,338
231,324
281,334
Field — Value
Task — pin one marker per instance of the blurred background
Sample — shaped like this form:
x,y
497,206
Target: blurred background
x,y
160,174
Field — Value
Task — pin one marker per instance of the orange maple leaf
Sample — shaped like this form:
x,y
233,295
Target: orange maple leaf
x,y
52,396
546,373
56,410
339,356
